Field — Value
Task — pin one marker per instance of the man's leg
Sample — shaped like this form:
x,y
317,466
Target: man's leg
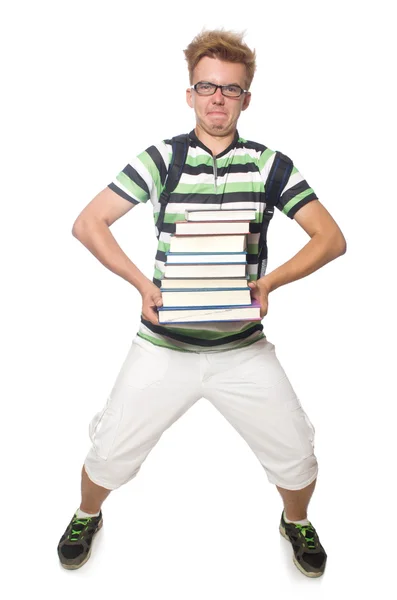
x,y
92,495
251,390
154,388
297,501
309,555
74,548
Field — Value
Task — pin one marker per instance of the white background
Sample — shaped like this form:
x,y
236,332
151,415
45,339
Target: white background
x,y
88,85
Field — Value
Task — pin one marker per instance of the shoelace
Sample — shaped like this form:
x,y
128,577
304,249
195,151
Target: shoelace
x,y
81,524
308,530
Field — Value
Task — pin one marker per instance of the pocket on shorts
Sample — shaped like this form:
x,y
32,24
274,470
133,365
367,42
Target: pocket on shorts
x,y
304,428
312,431
103,429
148,364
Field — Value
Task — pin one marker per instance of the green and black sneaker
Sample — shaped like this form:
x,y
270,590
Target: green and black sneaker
x,y
74,547
309,555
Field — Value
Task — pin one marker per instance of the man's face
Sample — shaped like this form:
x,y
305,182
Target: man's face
x,y
217,114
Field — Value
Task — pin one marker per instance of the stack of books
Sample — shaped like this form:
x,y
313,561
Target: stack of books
x,y
205,276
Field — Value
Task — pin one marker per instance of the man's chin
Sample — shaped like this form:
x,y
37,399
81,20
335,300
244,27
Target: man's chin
x,y
219,129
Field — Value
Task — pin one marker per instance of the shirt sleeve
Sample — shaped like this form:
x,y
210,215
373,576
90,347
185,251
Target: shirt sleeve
x,y
143,178
296,193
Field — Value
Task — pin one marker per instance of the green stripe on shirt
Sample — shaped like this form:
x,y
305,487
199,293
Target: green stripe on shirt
x,y
294,201
137,192
151,166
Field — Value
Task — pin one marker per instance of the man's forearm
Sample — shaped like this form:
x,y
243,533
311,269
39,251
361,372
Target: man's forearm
x,y
318,252
98,239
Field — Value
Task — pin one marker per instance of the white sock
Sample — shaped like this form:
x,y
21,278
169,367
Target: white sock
x,y
80,514
302,522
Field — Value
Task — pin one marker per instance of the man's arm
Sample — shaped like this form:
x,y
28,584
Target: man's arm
x,y
92,229
326,243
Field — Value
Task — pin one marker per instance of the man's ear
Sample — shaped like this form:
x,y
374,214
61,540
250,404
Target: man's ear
x,y
246,101
189,97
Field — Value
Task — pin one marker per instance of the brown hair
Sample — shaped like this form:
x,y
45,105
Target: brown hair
x,y
225,45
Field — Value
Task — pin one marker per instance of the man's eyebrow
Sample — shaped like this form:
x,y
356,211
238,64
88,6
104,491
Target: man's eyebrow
x,y
207,81
222,84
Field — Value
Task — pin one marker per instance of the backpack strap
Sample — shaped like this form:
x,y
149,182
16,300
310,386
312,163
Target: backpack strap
x,y
180,147
279,174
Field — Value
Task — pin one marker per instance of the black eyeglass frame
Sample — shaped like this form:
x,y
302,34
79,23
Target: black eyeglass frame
x,y
221,87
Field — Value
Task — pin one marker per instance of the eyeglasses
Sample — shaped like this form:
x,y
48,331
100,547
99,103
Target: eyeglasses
x,y
205,88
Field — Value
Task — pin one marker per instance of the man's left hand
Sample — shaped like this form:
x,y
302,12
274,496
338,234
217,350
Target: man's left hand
x,y
260,293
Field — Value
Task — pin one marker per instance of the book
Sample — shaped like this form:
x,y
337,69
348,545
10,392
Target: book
x,y
221,215
220,313
207,284
208,243
205,258
201,271
201,252
204,298
211,227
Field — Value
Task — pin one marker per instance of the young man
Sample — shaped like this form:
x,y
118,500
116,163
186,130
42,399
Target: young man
x,y
169,368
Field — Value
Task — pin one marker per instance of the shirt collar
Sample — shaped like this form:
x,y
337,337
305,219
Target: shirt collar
x,y
195,139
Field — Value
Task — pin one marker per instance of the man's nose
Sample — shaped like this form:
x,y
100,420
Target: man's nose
x,y
218,97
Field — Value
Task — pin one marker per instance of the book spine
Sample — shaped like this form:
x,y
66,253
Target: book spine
x,y
219,289
218,307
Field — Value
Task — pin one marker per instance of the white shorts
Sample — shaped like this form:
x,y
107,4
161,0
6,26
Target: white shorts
x,y
156,386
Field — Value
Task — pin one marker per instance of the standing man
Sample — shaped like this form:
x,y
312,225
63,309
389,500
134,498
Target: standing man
x,y
231,364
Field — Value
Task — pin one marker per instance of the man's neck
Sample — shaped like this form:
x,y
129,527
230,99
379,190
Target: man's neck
x,y
217,144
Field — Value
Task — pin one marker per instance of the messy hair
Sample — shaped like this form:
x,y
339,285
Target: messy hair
x,y
224,45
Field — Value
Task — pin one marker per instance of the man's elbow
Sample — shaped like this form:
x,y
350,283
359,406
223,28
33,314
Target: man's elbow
x,y
81,228
77,228
338,244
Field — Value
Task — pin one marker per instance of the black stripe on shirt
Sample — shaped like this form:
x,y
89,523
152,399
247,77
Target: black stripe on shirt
x,y
218,199
252,146
291,193
303,202
160,255
159,162
120,192
251,258
170,227
164,331
136,178
250,167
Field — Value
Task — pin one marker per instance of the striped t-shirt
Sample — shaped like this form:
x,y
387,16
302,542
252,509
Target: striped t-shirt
x,y
234,179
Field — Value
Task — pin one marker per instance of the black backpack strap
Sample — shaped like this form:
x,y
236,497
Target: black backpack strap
x,y
180,147
278,177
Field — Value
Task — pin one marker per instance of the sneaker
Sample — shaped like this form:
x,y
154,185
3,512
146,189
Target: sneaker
x,y
74,547
309,555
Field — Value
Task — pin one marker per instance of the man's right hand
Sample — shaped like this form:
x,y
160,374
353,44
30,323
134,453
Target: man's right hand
x,y
151,300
